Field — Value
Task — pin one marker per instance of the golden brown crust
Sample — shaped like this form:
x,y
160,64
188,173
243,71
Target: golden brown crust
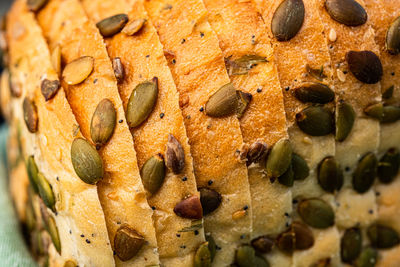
x,y
143,58
198,69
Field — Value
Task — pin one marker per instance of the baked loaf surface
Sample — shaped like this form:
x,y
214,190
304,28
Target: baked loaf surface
x,y
204,132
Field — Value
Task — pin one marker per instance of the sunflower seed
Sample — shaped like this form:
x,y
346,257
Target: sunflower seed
x,y
365,173
174,155
316,213
350,245
133,26
127,243
223,102
78,70
314,93
315,121
243,103
141,102
202,258
382,236
347,12
345,117
365,66
153,173
103,122
279,158
330,175
189,208
393,37
118,69
287,19
30,115
210,200
112,25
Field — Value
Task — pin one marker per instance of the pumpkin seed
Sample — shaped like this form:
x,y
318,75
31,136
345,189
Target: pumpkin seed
x,y
316,213
245,256
112,25
287,178
388,93
78,70
314,93
103,122
53,232
345,117
127,242
350,245
243,103
174,155
141,102
212,246
375,111
367,258
210,200
15,87
300,167
347,12
322,263
256,152
393,37
382,236
86,161
133,26
56,59
365,173
36,5
118,69
365,66
243,65
330,175
202,258
46,192
260,262
30,115
195,225
153,173
388,166
30,217
189,208
315,121
49,88
287,19
32,170
223,102
262,244
279,158
297,237
390,114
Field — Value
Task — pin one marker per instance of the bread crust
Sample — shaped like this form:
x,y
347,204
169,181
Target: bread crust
x,y
143,58
121,191
183,29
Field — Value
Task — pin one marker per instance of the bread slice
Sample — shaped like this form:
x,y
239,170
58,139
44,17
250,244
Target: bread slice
x,y
143,58
198,69
50,146
121,191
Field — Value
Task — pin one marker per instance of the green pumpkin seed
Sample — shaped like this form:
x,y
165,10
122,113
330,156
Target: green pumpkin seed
x,y
314,93
260,262
279,158
330,175
365,173
127,242
243,65
365,66
382,236
245,256
297,237
345,117
119,71
87,162
287,178
393,37
223,102
36,5
316,121
133,26
141,102
388,166
174,155
375,111
388,93
78,70
202,258
243,103
288,19
70,263
195,225
30,115
153,173
390,114
262,244
112,25
212,246
49,88
347,12
286,241
210,200
350,245
103,122
32,170
189,208
30,217
46,192
53,232
316,213
300,167
367,258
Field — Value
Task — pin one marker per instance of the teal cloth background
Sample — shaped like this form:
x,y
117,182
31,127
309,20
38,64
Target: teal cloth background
x,y
13,251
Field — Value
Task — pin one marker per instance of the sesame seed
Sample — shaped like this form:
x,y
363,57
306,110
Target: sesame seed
x,y
259,90
196,232
153,208
162,115
246,207
201,109
82,235
121,121
184,179
210,182
183,41
201,34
